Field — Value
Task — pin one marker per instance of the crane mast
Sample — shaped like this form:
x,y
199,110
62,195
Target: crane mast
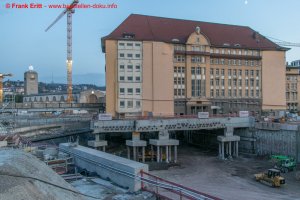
x,y
69,11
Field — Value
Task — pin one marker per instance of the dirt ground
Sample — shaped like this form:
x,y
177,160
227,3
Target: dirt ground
x,y
229,179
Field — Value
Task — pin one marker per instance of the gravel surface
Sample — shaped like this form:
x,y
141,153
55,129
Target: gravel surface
x,y
229,180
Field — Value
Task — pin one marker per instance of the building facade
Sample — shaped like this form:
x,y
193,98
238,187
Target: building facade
x,y
30,82
171,66
292,87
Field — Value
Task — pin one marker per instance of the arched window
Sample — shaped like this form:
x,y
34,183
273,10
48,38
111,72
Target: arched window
x,y
54,98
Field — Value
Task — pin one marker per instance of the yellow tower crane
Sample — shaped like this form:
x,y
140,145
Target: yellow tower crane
x,y
2,76
69,11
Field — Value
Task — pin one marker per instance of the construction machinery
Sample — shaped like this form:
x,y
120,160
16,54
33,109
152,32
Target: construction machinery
x,y
272,177
2,76
69,11
284,163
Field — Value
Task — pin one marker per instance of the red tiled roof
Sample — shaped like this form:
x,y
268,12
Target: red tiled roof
x,y
150,28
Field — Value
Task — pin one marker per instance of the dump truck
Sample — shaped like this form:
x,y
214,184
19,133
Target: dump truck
x,y
272,177
284,163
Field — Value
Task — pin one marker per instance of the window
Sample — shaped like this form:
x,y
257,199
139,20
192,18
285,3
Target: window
x,y
257,73
217,71
252,72
217,93
252,63
234,72
122,78
122,90
137,68
247,93
217,61
198,70
257,83
138,104
175,81
222,72
229,82
257,93
246,82
137,44
239,62
223,93
252,93
252,82
121,44
179,58
234,93
137,55
129,90
175,92
137,78
217,82
138,90
222,82
229,62
129,104
211,93
229,93
246,72
222,61
245,52
129,78
234,62
240,82
234,82
211,71
129,44
122,67
122,104
246,62
240,93
121,55
193,71
129,67
229,72
228,51
240,72
233,52
129,55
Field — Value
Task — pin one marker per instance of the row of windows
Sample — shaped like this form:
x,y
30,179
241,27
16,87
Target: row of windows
x,y
122,44
197,70
179,81
234,72
129,67
233,82
130,55
130,78
234,52
222,61
233,93
179,70
130,91
130,104
179,92
291,95
196,88
194,59
291,78
291,86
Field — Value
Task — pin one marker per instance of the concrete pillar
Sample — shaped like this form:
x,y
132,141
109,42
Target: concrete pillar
x,y
97,137
167,154
229,147
152,153
143,154
157,154
170,153
237,148
103,148
134,153
128,152
175,154
222,149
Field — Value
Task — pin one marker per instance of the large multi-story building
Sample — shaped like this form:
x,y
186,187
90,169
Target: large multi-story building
x,y
292,86
31,82
170,66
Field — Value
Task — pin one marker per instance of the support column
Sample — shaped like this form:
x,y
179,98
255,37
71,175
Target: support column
x,y
152,152
128,152
157,154
134,153
143,154
222,149
170,153
237,149
234,150
167,154
103,149
175,154
229,147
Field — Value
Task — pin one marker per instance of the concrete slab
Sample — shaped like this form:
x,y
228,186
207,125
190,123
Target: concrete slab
x,y
170,142
119,170
3,144
94,143
136,143
228,138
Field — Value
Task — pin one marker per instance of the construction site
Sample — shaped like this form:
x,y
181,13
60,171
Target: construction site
x,y
146,139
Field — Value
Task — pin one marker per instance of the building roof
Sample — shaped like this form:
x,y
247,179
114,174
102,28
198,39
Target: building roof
x,y
150,28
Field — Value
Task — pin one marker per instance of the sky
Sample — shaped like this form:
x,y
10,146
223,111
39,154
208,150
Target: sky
x,y
24,42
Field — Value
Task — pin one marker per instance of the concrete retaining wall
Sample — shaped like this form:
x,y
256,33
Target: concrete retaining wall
x,y
280,139
121,171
